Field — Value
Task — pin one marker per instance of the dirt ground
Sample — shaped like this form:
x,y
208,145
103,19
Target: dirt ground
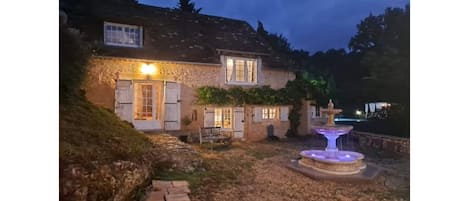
x,y
257,171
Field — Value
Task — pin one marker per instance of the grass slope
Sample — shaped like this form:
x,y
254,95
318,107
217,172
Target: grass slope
x,y
91,133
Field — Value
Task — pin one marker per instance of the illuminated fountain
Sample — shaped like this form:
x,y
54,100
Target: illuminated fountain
x,y
332,160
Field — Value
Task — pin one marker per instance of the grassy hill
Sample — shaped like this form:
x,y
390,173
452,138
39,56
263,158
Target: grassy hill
x,y
91,133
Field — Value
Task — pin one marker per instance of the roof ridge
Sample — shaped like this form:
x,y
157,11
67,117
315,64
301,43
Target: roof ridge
x,y
187,13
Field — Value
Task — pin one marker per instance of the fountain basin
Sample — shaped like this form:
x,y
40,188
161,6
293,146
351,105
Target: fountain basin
x,y
334,130
336,163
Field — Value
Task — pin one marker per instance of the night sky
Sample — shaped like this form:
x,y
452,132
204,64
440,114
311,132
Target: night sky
x,y
312,25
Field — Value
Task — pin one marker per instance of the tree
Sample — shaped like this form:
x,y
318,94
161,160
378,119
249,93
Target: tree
x,y
367,37
187,6
389,60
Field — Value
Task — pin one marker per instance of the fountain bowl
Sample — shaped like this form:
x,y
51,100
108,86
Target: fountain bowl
x,y
333,130
336,163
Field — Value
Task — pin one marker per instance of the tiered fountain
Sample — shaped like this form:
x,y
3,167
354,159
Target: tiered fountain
x,y
332,160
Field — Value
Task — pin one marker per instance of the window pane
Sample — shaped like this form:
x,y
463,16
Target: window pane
x,y
218,117
265,113
143,102
239,70
272,113
227,118
250,67
122,34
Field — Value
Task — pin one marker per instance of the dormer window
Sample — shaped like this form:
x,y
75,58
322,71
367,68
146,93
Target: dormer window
x,y
241,70
122,35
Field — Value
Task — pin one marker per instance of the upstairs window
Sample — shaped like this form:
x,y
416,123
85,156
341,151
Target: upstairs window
x,y
241,70
122,35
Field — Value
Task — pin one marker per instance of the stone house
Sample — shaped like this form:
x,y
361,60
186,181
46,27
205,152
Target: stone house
x,y
148,61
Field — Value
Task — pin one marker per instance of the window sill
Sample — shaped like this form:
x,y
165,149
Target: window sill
x,y
241,83
122,45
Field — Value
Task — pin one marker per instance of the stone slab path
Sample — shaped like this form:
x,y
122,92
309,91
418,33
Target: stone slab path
x,y
169,191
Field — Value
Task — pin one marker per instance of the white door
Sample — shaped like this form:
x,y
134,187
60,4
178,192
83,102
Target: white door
x,y
238,130
123,99
172,106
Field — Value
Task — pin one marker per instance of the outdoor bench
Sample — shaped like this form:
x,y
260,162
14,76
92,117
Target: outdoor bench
x,y
214,135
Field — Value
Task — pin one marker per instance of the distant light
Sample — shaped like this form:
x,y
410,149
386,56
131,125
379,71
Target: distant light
x,y
358,112
148,69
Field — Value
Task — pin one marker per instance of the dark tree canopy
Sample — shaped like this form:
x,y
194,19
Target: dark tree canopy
x,y
187,6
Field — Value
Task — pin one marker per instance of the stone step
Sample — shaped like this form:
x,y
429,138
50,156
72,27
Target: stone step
x,y
161,185
180,183
177,197
169,191
178,190
156,196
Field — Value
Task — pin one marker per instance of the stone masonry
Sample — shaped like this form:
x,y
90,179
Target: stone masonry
x,y
169,191
383,142
103,71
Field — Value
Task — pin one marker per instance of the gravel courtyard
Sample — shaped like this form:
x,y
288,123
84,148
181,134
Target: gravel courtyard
x,y
257,171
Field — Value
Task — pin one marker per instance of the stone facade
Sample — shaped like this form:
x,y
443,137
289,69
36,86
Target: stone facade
x,y
255,131
103,71
382,142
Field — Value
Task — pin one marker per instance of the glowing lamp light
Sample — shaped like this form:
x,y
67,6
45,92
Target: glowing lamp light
x,y
358,112
148,69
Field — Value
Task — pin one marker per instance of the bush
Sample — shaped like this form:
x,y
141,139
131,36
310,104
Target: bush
x,y
73,59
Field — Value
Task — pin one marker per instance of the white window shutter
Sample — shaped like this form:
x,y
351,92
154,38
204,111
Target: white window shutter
x,y
257,114
284,113
209,117
124,99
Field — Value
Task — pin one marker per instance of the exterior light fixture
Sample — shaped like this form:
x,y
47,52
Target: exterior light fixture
x,y
358,112
148,69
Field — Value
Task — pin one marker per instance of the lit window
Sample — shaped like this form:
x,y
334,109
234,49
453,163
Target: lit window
x,y
218,117
122,35
269,113
223,117
241,70
229,70
227,118
251,71
143,101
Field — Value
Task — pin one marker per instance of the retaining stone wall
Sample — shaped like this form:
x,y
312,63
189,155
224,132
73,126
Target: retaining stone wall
x,y
383,142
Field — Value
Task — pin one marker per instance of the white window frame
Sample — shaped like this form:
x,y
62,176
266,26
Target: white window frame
x,y
153,101
220,115
233,80
123,26
269,113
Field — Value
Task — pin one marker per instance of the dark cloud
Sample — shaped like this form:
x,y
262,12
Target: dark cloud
x,y
312,25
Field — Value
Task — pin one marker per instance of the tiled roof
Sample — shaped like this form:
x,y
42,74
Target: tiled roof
x,y
172,35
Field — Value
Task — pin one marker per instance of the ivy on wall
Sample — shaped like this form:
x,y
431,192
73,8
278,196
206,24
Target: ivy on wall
x,y
293,94
239,96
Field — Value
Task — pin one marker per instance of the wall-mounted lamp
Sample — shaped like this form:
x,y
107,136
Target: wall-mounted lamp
x,y
148,69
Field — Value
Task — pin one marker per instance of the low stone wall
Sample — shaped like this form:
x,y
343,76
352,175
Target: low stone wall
x,y
383,142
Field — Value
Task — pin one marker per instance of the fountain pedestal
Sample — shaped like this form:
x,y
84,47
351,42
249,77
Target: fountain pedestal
x,y
332,160
332,143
